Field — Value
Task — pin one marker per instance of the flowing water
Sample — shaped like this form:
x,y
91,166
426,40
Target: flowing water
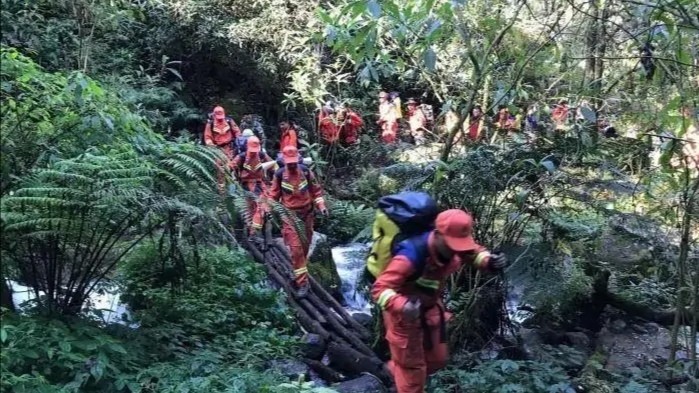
x,y
103,302
350,261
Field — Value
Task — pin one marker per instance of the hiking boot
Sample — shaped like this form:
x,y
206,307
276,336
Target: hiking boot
x,y
302,291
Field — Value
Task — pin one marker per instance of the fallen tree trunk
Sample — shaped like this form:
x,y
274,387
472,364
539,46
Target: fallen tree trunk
x,y
662,317
354,363
324,371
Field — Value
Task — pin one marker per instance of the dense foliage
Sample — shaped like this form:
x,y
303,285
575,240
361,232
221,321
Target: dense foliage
x,y
103,183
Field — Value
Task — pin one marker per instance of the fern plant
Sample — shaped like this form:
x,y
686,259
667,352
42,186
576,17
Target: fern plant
x,y
69,224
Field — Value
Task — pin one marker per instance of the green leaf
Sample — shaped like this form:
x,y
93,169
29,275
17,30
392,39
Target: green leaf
x,y
550,166
30,353
374,8
3,334
65,346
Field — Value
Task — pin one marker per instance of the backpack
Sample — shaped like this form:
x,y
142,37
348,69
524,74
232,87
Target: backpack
x,y
240,144
210,122
279,175
394,99
398,217
429,115
243,157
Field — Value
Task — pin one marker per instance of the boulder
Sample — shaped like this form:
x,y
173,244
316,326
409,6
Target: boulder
x,y
289,368
367,383
313,346
322,267
578,340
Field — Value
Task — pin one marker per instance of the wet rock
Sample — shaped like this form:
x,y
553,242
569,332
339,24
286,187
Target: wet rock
x,y
313,346
617,326
322,267
578,340
367,383
289,368
625,347
363,318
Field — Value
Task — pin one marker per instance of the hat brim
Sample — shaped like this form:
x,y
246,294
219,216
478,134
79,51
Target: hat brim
x,y
254,149
291,160
460,244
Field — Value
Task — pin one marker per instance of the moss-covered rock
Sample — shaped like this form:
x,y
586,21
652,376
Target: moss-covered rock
x,y
322,267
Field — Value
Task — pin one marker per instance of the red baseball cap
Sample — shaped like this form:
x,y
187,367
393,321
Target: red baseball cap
x,y
291,155
253,144
219,113
456,226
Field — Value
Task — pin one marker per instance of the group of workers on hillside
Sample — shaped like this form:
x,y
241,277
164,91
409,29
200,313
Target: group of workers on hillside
x,y
408,290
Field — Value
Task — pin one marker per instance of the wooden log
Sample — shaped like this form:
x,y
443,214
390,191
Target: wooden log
x,y
304,318
312,310
324,371
662,317
367,383
349,361
325,296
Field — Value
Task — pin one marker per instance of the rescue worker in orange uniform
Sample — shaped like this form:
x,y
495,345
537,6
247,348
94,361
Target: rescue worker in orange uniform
x,y
417,121
388,119
559,115
289,135
351,123
250,172
221,132
409,293
297,189
474,124
328,125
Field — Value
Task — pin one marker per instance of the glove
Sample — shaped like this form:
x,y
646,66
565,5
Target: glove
x,y
498,261
411,310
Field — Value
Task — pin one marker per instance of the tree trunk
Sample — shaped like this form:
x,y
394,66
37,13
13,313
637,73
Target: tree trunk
x,y
6,296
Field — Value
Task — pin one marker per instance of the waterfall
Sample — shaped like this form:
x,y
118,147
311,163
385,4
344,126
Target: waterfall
x,y
350,261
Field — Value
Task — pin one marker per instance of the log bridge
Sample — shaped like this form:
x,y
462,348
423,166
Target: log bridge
x,y
335,333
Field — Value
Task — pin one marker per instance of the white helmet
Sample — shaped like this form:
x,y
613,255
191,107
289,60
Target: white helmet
x,y
248,132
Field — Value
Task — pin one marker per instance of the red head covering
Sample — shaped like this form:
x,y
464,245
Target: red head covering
x,y
457,228
219,113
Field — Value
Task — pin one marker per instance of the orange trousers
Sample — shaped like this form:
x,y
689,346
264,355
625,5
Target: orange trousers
x,y
257,188
389,132
411,359
298,247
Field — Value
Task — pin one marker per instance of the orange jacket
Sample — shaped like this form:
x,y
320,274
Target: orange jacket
x,y
288,138
415,272
297,190
350,130
560,114
417,120
249,168
329,127
221,132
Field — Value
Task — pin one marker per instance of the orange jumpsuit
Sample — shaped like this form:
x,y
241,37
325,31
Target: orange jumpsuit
x,y
474,125
418,348
418,123
329,127
349,131
221,133
560,116
249,172
289,138
298,191
389,122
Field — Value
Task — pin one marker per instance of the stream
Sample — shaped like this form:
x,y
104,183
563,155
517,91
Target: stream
x,y
103,303
350,260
